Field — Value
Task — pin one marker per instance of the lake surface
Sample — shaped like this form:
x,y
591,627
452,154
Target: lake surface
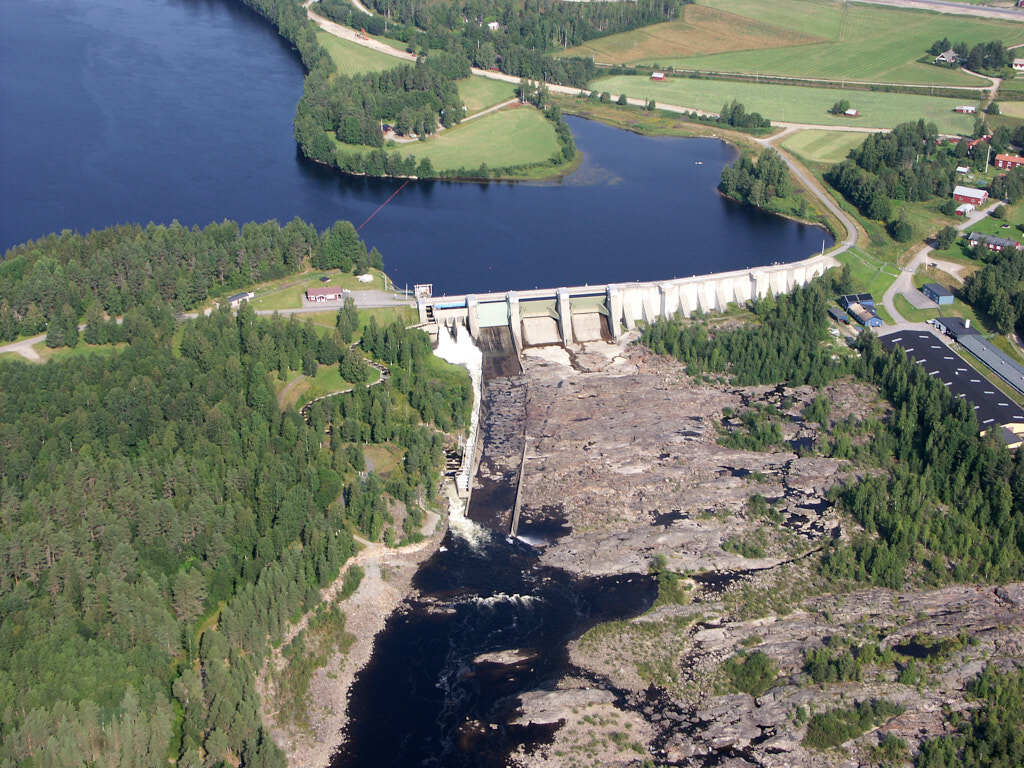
x,y
157,110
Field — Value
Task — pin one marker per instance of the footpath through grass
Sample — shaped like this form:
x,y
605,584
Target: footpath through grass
x,y
860,42
794,104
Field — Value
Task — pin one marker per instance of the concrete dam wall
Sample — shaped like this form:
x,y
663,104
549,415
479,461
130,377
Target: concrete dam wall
x,y
591,312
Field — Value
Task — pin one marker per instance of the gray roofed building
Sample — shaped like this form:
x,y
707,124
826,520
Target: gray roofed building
x,y
954,326
991,241
1008,370
940,294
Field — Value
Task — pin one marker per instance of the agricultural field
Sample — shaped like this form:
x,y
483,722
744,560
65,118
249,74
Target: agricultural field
x,y
699,31
511,136
1012,108
352,59
816,39
479,93
795,104
823,146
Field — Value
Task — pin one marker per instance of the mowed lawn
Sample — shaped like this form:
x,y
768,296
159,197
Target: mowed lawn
x,y
479,93
794,104
823,146
861,42
510,136
699,31
352,59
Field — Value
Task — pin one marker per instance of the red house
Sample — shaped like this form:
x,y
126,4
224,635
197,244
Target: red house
x,y
324,294
970,195
1009,161
659,76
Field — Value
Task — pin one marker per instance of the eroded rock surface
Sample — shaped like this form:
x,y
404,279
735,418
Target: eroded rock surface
x,y
624,450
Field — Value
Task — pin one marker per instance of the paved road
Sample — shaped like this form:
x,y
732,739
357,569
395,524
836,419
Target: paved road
x,y
905,282
946,6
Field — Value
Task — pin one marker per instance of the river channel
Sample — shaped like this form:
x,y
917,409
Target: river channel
x,y
158,110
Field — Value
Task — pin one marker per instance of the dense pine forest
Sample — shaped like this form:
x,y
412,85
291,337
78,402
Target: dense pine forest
x,y
162,518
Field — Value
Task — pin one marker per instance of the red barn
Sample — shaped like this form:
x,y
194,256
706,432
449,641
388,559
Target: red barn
x,y
1009,161
970,195
657,76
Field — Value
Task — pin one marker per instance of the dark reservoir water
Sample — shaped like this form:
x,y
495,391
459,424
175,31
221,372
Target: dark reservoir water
x,y
154,110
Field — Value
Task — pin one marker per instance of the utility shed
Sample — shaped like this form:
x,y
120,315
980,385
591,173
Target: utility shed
x,y
838,315
940,294
863,316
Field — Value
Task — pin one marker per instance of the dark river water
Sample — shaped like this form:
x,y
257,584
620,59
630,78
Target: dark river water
x,y
154,110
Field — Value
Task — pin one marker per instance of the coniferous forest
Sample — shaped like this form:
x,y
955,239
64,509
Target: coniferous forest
x,y
148,491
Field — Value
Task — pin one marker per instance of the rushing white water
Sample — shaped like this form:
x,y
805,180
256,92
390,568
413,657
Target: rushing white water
x,y
461,350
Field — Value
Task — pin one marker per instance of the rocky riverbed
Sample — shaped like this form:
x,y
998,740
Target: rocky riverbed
x,y
624,464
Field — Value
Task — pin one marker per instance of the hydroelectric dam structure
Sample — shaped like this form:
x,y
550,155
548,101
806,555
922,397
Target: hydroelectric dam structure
x,y
592,312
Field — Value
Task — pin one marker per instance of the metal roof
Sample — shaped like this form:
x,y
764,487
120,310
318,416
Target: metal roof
x,y
983,238
969,191
938,290
955,327
1008,370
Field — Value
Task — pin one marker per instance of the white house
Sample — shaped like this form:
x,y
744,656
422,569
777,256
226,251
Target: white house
x,y
1018,65
493,26
657,76
851,113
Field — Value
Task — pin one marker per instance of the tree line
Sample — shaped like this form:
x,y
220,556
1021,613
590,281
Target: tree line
x,y
758,182
991,55
58,278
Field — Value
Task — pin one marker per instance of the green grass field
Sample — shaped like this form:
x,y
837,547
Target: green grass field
x,y
823,146
796,104
479,93
1012,108
513,136
860,42
352,59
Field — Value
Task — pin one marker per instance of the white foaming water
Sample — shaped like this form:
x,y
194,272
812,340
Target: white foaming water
x,y
460,350
501,597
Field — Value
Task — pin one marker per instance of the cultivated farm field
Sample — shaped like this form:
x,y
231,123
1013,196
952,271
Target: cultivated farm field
x,y
794,104
819,39
353,59
823,146
700,30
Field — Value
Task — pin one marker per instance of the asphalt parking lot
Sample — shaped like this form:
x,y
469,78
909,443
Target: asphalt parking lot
x,y
926,349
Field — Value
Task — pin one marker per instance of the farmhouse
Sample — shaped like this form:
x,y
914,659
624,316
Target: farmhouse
x,y
965,109
317,295
964,209
659,76
940,294
947,57
238,298
1009,161
969,195
991,242
1018,65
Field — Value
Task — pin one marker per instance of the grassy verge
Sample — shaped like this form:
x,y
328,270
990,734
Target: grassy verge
x,y
68,353
287,292
352,59
479,93
791,103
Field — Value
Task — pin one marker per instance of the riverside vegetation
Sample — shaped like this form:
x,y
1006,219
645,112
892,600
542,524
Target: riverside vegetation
x,y
163,520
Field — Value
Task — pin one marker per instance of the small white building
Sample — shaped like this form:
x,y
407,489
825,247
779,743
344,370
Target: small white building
x,y
962,169
964,209
1018,65
966,109
851,113
657,76
235,301
493,26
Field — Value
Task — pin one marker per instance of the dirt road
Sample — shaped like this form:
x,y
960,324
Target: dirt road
x,y
946,6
